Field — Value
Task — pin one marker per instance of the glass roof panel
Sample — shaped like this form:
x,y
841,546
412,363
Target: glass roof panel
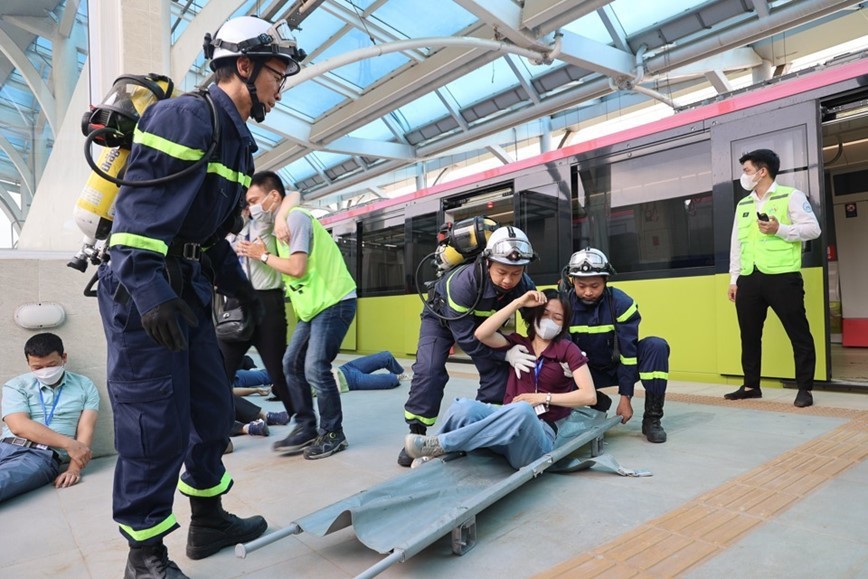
x,y
300,170
367,71
376,130
329,159
422,18
482,82
316,29
638,15
590,26
420,112
310,98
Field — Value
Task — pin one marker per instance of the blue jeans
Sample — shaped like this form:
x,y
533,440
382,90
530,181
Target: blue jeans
x,y
251,378
308,364
513,430
360,376
24,469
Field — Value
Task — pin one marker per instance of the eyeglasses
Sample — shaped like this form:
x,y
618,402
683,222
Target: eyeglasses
x,y
281,77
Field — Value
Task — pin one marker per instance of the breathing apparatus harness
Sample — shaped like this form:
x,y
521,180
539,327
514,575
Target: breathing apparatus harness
x,y
457,244
113,123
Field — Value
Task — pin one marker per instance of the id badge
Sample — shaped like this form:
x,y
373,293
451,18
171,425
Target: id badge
x,y
539,409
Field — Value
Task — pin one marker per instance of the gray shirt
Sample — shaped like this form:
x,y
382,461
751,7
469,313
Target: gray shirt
x,y
261,275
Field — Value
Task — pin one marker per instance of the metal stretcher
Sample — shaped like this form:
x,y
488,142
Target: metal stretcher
x,y
448,492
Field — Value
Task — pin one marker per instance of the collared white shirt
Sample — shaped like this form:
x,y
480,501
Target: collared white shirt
x,y
803,227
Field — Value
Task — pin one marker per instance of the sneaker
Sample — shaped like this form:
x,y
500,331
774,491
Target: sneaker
x,y
417,462
341,380
257,428
404,459
743,393
803,399
419,445
326,445
297,441
404,377
279,418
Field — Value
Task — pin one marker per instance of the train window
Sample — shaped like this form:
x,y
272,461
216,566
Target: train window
x,y
348,244
791,145
539,220
648,213
422,233
382,270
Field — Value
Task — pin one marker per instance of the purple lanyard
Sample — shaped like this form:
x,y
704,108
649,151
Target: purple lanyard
x,y
46,416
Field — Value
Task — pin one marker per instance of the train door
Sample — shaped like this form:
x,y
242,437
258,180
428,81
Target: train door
x,y
845,162
793,133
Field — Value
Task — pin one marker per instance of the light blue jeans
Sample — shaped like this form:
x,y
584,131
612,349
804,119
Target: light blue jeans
x,y
360,376
251,378
24,469
513,430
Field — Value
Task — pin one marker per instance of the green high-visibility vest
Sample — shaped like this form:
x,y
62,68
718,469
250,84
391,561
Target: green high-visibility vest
x,y
326,280
769,253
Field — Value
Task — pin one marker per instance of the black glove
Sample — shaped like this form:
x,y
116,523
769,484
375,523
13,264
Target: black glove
x,y
251,303
161,323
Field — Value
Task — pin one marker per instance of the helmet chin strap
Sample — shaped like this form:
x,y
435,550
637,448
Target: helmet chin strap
x,y
257,109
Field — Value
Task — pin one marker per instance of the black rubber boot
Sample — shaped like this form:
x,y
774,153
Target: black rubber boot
x,y
212,528
405,459
151,562
651,427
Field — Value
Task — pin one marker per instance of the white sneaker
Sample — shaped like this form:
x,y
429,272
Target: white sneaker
x,y
417,462
404,377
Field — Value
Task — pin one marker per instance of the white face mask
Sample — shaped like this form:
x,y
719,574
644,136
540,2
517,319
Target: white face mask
x,y
547,328
747,182
50,375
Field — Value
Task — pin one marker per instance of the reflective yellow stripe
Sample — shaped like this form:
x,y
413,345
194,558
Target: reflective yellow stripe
x,y
166,146
629,361
626,315
453,304
654,375
591,329
152,532
229,174
422,419
484,314
139,242
214,491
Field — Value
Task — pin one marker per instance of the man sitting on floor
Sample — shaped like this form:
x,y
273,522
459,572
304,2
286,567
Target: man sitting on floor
x,y
50,414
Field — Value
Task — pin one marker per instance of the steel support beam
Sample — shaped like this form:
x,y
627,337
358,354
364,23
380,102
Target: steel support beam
x,y
719,81
543,16
34,81
370,148
24,171
592,55
189,44
613,26
501,154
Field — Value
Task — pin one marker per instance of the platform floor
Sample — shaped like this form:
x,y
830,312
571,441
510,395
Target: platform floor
x,y
743,489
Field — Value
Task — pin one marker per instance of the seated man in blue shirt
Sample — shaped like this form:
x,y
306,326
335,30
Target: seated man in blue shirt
x,y
50,414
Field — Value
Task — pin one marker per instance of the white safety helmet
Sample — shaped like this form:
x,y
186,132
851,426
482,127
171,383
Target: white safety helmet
x,y
509,245
254,37
589,262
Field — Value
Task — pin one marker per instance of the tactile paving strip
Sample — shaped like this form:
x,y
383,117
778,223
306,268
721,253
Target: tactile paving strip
x,y
707,525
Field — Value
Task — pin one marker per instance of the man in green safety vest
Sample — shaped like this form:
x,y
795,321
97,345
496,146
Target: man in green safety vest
x,y
765,261
323,295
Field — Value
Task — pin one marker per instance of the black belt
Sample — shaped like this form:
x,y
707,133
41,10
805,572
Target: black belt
x,y
18,441
185,250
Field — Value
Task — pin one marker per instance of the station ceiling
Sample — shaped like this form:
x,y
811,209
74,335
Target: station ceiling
x,y
398,88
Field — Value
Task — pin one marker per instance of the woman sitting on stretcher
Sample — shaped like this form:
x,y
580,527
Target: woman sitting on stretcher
x,y
524,428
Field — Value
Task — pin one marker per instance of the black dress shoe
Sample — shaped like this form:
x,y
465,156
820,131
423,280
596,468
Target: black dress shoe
x,y
804,398
743,393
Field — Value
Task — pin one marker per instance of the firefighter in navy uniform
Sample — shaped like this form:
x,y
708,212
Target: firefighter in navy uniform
x,y
171,397
499,273
605,326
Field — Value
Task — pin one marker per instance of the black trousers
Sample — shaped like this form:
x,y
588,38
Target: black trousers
x,y
785,294
270,341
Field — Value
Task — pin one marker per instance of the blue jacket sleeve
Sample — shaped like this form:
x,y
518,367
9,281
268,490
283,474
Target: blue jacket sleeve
x,y
461,292
627,320
169,136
